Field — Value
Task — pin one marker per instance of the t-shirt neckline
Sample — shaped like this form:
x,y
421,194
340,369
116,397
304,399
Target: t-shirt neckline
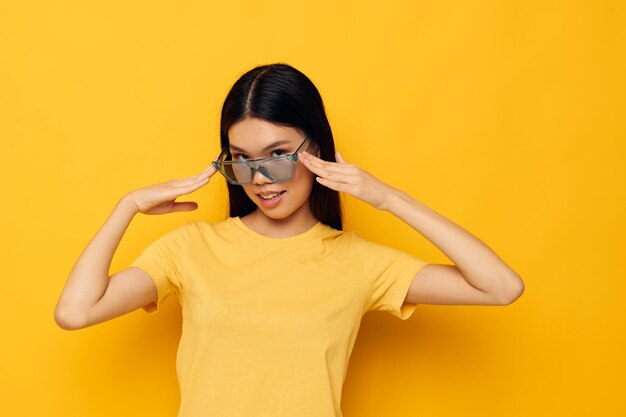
x,y
317,229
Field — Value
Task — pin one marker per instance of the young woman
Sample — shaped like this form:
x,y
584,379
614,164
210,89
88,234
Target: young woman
x,y
272,297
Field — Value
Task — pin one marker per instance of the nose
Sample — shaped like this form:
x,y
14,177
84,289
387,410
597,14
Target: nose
x,y
259,178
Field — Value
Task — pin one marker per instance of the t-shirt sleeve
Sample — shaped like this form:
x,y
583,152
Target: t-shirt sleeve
x,y
390,273
161,260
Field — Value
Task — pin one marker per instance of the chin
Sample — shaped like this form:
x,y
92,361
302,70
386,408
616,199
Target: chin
x,y
291,200
283,211
276,214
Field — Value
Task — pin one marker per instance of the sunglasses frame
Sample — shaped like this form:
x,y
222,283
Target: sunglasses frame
x,y
255,164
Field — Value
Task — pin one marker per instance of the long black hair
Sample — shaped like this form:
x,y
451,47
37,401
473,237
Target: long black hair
x,y
281,94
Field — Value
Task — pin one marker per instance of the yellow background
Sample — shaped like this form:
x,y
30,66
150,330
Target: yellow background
x,y
505,117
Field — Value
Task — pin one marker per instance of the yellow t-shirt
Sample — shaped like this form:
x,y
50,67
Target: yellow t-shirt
x,y
269,324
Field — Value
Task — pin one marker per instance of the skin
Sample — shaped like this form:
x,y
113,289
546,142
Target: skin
x,y
478,276
252,138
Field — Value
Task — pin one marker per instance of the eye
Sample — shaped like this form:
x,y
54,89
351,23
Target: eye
x,y
278,152
239,156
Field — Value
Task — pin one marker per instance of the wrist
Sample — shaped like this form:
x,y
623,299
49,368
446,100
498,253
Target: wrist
x,y
393,199
127,203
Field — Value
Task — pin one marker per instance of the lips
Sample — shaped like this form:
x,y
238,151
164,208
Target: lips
x,y
270,199
269,195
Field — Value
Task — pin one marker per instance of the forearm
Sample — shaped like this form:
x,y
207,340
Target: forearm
x,y
89,277
478,264
475,263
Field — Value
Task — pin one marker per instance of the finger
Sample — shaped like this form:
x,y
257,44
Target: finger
x,y
182,189
333,185
310,166
208,172
325,169
339,158
189,186
184,206
339,178
190,178
211,168
311,157
208,168
338,167
184,182
315,161
321,171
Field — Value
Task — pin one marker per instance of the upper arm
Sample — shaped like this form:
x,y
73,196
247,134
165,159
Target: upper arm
x,y
444,284
127,291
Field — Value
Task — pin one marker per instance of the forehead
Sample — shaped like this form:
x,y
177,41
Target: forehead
x,y
254,134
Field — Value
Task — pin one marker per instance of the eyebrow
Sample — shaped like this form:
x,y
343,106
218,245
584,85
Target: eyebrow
x,y
267,148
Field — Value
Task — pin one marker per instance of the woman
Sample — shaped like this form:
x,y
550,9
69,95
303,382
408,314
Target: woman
x,y
272,297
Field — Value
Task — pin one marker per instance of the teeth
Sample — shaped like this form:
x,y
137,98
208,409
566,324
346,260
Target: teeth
x,y
268,196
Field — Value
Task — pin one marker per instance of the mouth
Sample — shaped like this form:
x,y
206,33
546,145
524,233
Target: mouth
x,y
270,199
270,196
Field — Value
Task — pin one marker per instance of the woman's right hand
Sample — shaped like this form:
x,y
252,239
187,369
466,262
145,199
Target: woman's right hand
x,y
160,198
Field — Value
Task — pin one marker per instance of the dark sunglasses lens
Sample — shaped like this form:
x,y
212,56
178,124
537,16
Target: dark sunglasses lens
x,y
238,172
275,170
279,169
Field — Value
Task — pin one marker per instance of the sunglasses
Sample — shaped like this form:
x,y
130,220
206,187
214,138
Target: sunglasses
x,y
277,168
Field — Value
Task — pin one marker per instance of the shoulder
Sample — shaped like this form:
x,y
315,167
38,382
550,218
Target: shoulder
x,y
339,238
202,227
216,231
192,229
374,252
351,243
354,239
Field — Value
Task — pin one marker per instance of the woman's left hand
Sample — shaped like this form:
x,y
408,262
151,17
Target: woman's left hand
x,y
349,178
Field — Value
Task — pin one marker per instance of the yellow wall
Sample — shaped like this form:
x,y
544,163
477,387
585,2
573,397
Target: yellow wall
x,y
506,117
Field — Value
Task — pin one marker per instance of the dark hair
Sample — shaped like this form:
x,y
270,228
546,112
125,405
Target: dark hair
x,y
282,95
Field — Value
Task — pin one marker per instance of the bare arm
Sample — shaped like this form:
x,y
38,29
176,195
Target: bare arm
x,y
89,277
479,276
90,296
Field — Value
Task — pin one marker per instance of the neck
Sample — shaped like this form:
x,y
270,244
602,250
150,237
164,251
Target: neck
x,y
293,225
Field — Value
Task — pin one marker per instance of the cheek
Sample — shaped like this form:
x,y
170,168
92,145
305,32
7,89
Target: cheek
x,y
249,192
304,178
301,184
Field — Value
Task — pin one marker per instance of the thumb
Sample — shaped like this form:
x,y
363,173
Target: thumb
x,y
339,158
184,206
